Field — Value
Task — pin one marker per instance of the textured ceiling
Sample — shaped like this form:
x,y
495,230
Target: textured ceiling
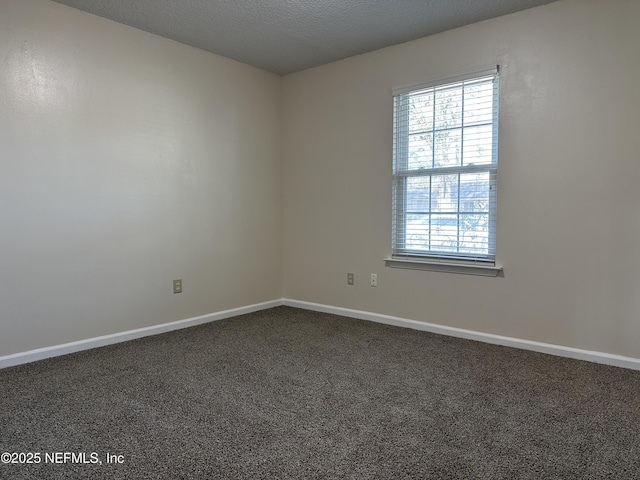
x,y
285,36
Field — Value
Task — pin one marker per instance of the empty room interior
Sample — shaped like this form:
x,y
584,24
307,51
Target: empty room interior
x,y
320,239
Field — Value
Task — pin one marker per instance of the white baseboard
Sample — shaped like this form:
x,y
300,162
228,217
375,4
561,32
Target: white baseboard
x,y
558,350
56,350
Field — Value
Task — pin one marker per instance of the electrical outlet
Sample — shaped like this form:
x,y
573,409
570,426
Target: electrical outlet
x,y
374,279
177,285
350,278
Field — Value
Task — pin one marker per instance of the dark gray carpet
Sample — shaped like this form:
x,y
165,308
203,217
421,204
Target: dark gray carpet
x,y
287,393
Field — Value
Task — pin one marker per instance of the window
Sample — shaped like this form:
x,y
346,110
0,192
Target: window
x,y
445,165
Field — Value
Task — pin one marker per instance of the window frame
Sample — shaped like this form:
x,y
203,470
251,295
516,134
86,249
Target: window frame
x,y
405,257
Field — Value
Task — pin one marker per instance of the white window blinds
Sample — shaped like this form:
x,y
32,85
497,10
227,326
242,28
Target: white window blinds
x,y
445,165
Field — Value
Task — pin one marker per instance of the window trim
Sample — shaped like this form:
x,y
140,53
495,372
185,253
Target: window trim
x,y
484,269
441,261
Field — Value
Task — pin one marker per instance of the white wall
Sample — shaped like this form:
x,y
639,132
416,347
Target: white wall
x,y
568,197
127,160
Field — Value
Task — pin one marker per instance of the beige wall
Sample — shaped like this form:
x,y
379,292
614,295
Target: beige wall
x,y
568,194
127,160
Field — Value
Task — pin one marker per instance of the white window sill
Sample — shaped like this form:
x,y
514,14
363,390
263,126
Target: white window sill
x,y
441,266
